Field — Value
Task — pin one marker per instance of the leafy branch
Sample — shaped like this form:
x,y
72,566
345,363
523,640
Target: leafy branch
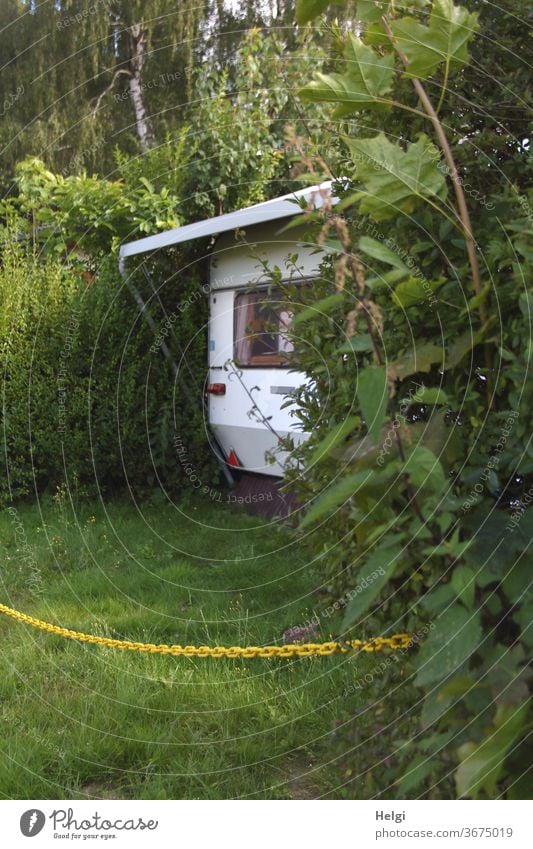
x,y
464,213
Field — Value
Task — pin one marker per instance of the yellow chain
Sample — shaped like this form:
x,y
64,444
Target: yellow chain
x,y
397,641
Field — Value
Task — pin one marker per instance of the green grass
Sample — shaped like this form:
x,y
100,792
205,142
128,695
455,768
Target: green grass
x,y
79,721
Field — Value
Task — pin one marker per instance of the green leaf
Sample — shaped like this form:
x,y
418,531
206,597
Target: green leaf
x,y
521,788
482,763
438,598
524,617
373,576
394,179
308,10
496,552
431,395
414,774
373,397
370,11
377,250
463,583
525,302
436,741
455,637
367,79
337,494
360,343
360,453
424,469
508,674
376,36
517,581
413,291
324,306
438,700
420,359
463,344
385,281
334,436
458,687
476,301
148,185
444,40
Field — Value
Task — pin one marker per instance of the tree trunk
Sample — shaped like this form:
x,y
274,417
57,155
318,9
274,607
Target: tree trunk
x,y
145,131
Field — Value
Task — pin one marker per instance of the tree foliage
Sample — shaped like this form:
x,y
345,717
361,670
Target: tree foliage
x,y
67,71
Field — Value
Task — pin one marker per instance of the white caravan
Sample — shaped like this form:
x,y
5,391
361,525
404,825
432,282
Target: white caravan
x,y
249,372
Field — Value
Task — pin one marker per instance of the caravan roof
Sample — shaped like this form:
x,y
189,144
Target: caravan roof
x,y
270,210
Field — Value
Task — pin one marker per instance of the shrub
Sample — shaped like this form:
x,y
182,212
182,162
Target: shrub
x,y
419,468
84,400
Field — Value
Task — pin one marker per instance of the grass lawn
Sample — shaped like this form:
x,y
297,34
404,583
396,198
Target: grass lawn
x,y
80,722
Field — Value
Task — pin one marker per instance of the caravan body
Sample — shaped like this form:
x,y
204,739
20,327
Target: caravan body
x,y
250,377
249,374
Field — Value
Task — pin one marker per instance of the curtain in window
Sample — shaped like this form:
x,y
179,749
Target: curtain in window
x,y
244,315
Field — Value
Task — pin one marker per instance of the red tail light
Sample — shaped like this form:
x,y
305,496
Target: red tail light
x,y
216,388
233,460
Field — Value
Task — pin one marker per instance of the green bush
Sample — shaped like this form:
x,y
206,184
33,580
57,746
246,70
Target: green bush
x,y
85,402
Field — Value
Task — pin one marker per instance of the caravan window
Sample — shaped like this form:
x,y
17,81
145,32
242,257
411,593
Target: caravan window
x,y
260,337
